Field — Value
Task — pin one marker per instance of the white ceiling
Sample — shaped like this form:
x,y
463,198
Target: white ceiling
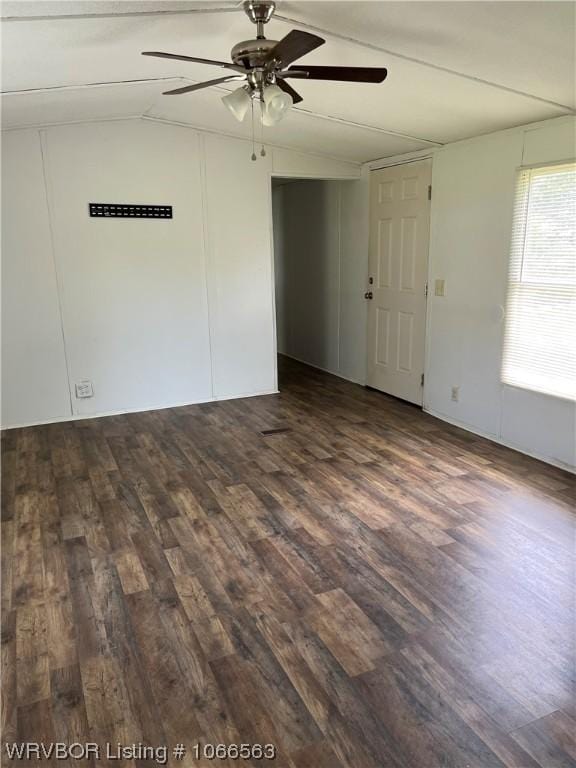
x,y
456,69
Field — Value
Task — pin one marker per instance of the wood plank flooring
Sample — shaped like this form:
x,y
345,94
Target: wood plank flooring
x,y
363,587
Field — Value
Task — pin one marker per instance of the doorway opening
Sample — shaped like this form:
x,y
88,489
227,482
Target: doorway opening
x,y
320,274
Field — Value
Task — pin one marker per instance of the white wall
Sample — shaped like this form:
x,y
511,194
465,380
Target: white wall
x,y
353,282
154,313
287,163
133,291
34,380
240,275
320,232
471,218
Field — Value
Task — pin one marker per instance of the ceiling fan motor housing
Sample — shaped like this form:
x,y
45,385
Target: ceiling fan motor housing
x,y
252,53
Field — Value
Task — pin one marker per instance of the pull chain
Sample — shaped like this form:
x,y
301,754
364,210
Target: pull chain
x,y
253,132
262,151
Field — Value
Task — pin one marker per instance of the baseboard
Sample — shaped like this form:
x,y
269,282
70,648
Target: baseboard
x,y
324,370
104,414
436,414
499,441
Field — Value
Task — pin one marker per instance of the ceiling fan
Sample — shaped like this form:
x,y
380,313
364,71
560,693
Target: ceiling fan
x,y
264,67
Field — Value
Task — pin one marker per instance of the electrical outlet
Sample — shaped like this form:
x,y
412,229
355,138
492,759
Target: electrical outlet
x,y
455,394
439,287
84,389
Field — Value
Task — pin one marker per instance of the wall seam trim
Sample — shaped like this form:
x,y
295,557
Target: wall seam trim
x,y
59,287
207,252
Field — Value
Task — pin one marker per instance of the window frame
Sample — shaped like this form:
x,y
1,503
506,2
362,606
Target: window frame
x,y
520,219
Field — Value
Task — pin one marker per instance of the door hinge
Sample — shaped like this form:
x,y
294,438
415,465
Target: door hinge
x,y
429,191
422,380
426,290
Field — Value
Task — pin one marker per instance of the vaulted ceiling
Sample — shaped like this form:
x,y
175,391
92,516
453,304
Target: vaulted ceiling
x,y
456,69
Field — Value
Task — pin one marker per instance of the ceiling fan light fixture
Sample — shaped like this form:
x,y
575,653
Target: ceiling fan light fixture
x,y
276,104
238,102
267,121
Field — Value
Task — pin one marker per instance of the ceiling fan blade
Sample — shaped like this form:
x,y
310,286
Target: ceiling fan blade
x,y
296,98
199,86
195,59
295,44
348,74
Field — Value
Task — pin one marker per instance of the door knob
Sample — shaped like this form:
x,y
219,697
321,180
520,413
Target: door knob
x,y
368,295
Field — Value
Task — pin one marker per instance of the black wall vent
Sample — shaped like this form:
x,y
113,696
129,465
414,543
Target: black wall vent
x,y
127,211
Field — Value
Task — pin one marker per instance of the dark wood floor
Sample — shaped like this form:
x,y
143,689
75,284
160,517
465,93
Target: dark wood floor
x,y
363,586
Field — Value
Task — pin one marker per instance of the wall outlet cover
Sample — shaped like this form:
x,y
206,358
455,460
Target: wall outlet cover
x,y
439,287
84,389
455,394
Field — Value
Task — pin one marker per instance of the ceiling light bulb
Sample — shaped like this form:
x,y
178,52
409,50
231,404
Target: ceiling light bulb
x,y
238,102
276,104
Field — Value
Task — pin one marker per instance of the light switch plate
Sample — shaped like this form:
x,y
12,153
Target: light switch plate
x,y
439,287
84,389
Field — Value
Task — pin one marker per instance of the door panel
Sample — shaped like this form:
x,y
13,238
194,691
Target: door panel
x,y
399,229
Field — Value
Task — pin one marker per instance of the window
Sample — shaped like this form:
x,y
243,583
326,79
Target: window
x,y
540,337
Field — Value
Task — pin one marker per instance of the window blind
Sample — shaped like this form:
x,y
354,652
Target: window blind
x,y
540,335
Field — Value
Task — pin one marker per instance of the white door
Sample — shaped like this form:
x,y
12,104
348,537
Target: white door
x,y
398,266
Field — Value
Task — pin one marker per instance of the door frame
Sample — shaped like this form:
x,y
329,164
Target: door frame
x,y
378,165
